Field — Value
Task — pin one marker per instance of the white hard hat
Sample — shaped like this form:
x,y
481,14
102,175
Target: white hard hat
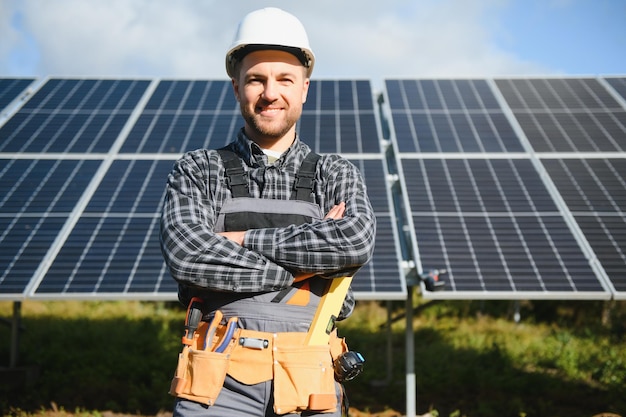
x,y
270,28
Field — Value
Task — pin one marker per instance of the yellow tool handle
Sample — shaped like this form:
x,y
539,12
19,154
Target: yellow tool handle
x,y
327,311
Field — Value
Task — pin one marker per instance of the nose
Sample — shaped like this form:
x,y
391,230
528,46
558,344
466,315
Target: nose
x,y
270,90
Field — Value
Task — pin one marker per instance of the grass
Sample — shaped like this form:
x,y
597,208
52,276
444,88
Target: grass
x,y
471,358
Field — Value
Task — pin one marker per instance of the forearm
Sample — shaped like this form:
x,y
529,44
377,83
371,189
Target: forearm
x,y
337,244
197,256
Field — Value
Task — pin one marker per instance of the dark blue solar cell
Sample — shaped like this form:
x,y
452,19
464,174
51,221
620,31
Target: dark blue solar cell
x,y
414,95
346,95
158,95
431,93
349,139
364,95
487,98
11,88
394,94
376,181
196,95
216,94
308,129
503,139
328,133
447,90
369,134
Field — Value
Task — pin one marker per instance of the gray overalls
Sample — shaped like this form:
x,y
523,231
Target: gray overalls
x,y
263,312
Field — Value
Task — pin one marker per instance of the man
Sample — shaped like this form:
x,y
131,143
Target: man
x,y
268,271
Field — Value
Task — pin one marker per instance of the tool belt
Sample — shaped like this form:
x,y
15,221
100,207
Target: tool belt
x,y
303,375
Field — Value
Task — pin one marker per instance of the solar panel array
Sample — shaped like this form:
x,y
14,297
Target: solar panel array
x,y
514,187
83,169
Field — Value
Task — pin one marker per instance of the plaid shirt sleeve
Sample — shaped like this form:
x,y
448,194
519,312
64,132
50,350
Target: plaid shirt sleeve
x,y
270,257
195,254
332,248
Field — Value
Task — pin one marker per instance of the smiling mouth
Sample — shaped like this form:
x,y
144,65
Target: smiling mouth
x,y
269,111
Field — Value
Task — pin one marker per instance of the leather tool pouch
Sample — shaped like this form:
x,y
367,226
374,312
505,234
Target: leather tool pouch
x,y
200,373
303,379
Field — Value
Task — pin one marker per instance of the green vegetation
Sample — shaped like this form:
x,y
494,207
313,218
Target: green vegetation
x,y
471,358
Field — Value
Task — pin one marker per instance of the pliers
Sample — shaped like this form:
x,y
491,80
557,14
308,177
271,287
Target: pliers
x,y
231,326
210,331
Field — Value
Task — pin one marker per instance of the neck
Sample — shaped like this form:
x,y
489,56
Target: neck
x,y
273,144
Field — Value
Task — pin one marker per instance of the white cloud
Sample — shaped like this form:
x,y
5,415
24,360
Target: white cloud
x,y
361,38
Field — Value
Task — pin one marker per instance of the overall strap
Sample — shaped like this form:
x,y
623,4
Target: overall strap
x,y
236,176
305,178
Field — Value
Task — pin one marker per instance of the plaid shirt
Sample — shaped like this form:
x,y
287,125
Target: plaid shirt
x,y
269,258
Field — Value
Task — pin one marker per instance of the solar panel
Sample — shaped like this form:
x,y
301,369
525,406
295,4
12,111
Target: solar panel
x,y
493,226
113,250
37,198
582,117
77,116
104,242
382,278
491,219
448,116
594,189
566,115
183,115
11,88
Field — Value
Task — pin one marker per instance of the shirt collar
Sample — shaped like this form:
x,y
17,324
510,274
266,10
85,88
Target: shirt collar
x,y
250,152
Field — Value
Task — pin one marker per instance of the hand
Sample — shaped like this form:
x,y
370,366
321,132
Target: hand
x,y
236,237
336,212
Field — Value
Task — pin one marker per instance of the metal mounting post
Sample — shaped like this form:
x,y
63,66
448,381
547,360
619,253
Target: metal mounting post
x,y
15,334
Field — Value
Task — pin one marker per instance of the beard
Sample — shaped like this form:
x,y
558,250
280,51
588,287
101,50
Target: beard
x,y
265,129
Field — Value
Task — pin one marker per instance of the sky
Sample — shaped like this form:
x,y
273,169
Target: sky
x,y
353,39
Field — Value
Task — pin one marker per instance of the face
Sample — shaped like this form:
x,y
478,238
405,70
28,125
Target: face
x,y
271,89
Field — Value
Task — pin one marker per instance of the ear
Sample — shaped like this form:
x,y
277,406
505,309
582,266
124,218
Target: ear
x,y
305,89
235,84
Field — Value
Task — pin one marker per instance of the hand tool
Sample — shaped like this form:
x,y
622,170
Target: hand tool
x,y
231,326
348,366
210,331
192,320
327,311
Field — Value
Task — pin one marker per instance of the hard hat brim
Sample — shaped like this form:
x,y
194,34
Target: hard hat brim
x,y
235,55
